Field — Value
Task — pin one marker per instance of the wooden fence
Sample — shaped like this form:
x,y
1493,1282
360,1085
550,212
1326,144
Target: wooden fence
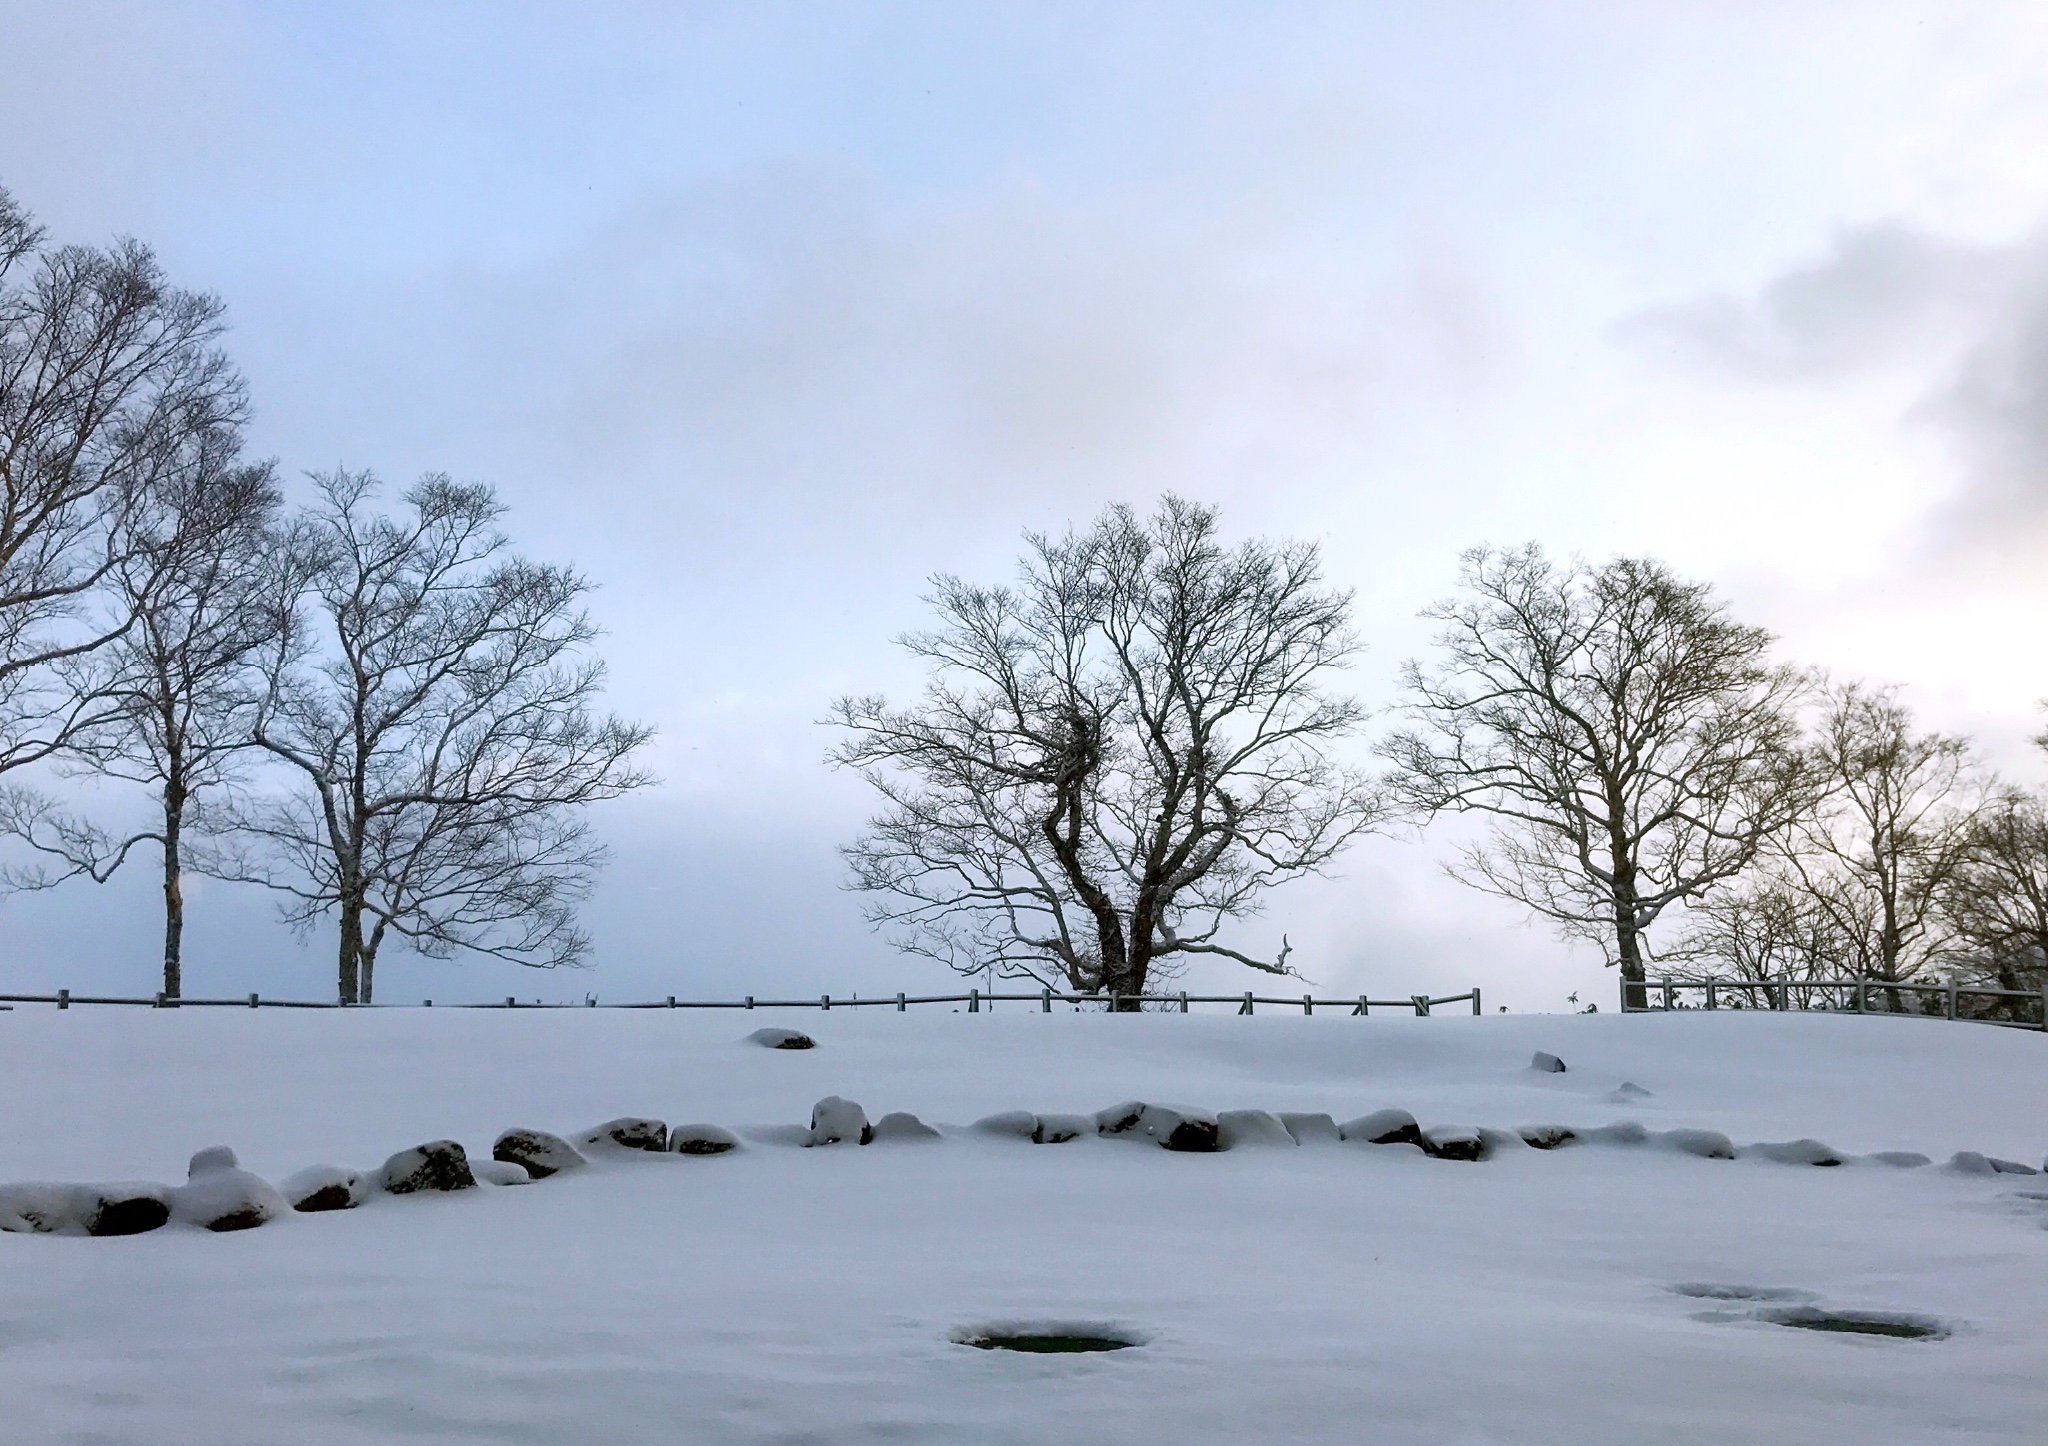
x,y
2021,1008
976,1001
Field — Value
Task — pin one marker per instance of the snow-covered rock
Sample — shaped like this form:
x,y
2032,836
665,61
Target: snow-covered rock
x,y
1236,1129
1544,1063
1624,1132
628,1132
225,1197
324,1187
1454,1142
1547,1137
1794,1152
1008,1124
1707,1144
1059,1129
900,1125
782,1039
541,1153
499,1172
1310,1129
1176,1127
435,1165
50,1208
1899,1159
213,1157
1628,1092
1383,1127
1970,1162
835,1121
702,1140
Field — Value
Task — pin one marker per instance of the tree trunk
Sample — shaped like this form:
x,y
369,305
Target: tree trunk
x,y
351,949
174,894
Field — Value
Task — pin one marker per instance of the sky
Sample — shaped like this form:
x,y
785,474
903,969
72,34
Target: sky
x,y
762,314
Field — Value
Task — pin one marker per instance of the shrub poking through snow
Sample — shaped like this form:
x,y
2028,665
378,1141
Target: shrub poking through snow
x,y
222,1196
1547,1137
782,1039
899,1125
1058,1129
1795,1152
835,1121
1707,1144
1454,1142
541,1153
1546,1063
1237,1129
628,1132
323,1187
436,1165
1384,1127
702,1140
1310,1129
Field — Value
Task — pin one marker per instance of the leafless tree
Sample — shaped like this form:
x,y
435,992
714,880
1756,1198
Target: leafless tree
x,y
432,694
107,375
175,692
1763,929
1635,746
1996,901
1113,758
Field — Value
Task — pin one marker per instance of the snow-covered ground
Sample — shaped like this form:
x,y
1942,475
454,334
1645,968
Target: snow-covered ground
x,y
1323,1293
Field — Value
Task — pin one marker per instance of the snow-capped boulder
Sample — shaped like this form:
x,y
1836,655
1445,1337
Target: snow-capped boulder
x,y
2011,1167
1628,1092
541,1153
1794,1152
1383,1127
1547,1137
1899,1159
130,1207
1454,1142
1707,1144
1625,1132
1059,1129
1176,1127
323,1187
702,1140
1310,1129
1546,1063
51,1208
435,1165
628,1132
1009,1124
213,1157
225,1197
900,1125
835,1121
782,1039
499,1172
1970,1162
1238,1129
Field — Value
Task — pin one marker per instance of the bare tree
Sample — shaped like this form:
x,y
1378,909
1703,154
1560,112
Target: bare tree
x,y
107,375
1996,901
175,691
1764,928
432,694
1114,757
1634,745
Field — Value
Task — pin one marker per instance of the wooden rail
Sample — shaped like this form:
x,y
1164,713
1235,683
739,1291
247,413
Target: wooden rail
x,y
1840,996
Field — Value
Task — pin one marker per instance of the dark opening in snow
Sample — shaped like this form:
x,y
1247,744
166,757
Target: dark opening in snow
x,y
1860,1323
1045,1342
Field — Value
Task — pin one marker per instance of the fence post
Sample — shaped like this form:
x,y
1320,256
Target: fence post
x,y
1421,1004
671,1001
824,1001
1363,1007
1247,1009
1183,1001
1475,1000
159,1000
2044,1008
1045,1001
750,1001
1308,1005
1116,1001
252,1000
429,1004
900,1005
1668,997
63,998
1710,994
1951,996
1860,990
974,1001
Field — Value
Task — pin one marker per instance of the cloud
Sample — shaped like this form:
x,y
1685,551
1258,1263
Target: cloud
x,y
1968,321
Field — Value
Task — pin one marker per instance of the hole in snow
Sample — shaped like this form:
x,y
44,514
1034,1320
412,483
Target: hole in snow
x,y
1860,1323
1050,1338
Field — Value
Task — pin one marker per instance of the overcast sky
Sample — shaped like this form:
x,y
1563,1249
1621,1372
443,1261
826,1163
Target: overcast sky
x,y
762,314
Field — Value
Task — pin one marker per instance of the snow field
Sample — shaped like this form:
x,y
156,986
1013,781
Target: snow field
x,y
1331,1292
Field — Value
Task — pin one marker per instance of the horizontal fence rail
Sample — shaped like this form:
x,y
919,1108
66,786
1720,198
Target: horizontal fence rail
x,y
976,1001
2017,1008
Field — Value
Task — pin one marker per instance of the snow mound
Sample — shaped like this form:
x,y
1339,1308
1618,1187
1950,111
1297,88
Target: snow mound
x,y
225,1198
1544,1063
1383,1127
1707,1144
629,1133
1795,1152
499,1172
782,1039
319,1188
1176,1127
835,1121
1454,1142
541,1153
1236,1129
900,1125
1308,1128
1059,1129
702,1140
1010,1125
49,1208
